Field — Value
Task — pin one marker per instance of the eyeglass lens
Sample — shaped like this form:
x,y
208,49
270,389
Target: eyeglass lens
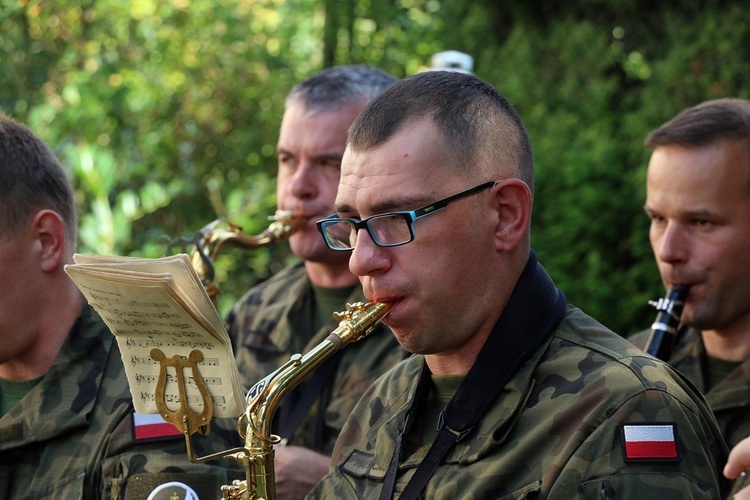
x,y
388,229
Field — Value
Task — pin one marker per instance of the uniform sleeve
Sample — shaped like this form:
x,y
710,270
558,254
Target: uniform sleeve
x,y
652,446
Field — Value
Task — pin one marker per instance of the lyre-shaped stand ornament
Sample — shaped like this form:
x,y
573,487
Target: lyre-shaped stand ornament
x,y
184,419
187,421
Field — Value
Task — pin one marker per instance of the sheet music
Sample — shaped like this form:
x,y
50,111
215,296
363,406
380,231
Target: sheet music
x,y
147,310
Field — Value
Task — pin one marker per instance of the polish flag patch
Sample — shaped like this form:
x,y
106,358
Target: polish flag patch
x,y
147,427
650,442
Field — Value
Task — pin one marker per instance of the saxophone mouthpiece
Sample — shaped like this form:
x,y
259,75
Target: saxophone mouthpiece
x,y
288,219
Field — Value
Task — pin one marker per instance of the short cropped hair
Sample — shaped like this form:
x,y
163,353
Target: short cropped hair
x,y
339,86
31,179
705,124
480,126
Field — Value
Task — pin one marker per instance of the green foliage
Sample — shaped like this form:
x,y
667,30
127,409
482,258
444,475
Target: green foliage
x,y
585,213
166,112
591,78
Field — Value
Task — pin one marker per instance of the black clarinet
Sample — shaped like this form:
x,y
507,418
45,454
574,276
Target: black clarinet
x,y
664,330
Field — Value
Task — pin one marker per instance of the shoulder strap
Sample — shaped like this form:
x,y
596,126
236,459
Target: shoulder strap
x,y
534,310
295,405
420,394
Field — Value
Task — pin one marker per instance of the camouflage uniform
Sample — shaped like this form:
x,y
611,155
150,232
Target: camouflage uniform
x,y
268,325
729,399
555,432
72,435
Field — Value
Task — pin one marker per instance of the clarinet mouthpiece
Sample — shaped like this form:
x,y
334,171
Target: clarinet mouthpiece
x,y
664,329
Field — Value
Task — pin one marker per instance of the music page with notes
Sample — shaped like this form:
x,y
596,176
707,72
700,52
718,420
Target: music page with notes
x,y
161,304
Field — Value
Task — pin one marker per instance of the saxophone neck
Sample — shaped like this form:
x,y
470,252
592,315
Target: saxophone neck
x,y
224,232
220,233
355,323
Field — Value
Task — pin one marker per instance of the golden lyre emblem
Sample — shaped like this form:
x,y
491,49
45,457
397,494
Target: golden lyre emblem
x,y
184,419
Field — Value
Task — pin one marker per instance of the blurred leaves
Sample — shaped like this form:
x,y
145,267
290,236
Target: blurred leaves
x,y
591,78
166,112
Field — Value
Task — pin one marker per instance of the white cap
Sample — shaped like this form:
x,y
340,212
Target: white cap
x,y
452,60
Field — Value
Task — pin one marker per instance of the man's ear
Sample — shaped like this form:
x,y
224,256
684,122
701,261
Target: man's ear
x,y
49,229
513,199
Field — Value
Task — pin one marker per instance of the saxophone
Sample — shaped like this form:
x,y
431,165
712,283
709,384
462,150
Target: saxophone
x,y
211,238
265,396
254,426
664,329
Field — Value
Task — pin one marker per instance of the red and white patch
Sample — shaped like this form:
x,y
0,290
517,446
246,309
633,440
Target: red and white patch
x,y
147,427
650,442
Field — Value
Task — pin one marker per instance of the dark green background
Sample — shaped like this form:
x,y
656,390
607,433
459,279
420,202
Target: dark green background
x,y
166,113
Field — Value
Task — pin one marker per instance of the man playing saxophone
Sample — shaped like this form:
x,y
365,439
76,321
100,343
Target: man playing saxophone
x,y
511,392
292,311
698,199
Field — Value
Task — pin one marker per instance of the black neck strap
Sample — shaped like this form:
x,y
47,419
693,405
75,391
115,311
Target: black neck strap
x,y
296,405
534,310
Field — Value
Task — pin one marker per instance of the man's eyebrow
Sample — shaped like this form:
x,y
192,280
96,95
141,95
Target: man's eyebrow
x,y
343,209
328,155
392,205
697,213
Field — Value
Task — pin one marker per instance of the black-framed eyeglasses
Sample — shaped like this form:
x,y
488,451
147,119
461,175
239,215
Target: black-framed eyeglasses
x,y
390,229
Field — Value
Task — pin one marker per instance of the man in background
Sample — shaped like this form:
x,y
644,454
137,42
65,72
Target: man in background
x,y
292,312
67,424
698,199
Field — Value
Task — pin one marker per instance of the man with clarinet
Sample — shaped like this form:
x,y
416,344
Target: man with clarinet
x,y
698,199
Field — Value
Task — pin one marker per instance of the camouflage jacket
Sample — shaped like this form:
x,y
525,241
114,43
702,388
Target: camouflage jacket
x,y
267,327
72,435
729,399
556,431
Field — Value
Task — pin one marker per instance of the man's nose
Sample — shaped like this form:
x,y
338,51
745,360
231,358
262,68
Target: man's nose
x,y
368,258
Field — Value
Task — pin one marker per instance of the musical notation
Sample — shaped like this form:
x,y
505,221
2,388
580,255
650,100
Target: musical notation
x,y
150,341
174,399
161,304
141,360
170,378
